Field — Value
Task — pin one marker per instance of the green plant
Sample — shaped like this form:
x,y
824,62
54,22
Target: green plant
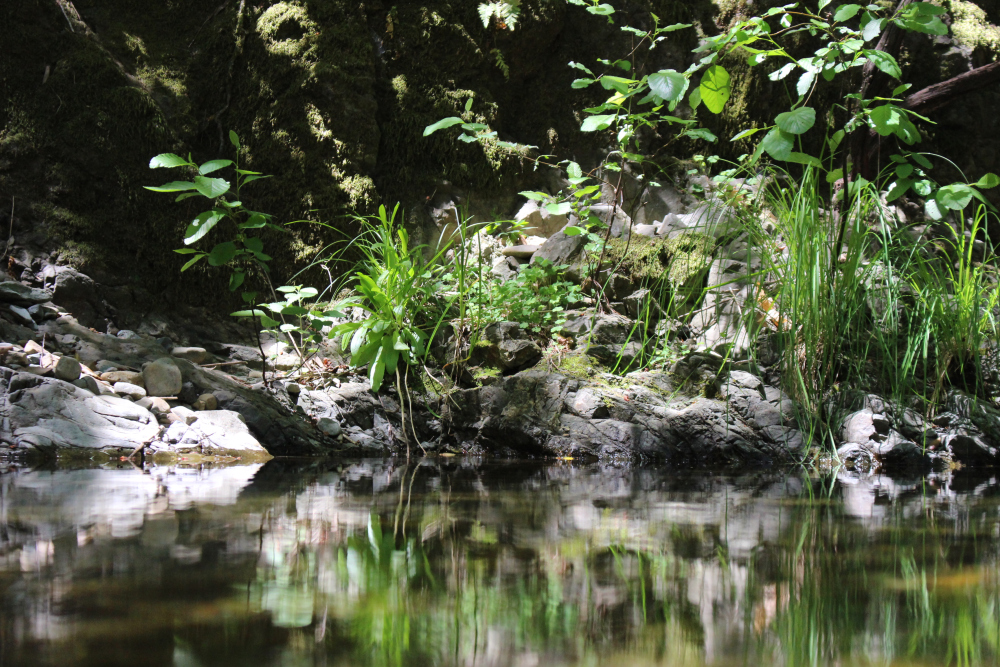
x,y
394,284
241,250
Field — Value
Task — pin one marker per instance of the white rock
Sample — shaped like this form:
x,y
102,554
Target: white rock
x,y
129,390
222,432
187,415
195,355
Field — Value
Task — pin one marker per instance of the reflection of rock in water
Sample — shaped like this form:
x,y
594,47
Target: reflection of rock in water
x,y
454,561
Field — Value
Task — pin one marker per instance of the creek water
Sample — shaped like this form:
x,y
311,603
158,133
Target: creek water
x,y
453,561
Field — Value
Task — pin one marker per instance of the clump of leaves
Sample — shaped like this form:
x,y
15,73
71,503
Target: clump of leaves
x,y
395,284
241,249
537,298
505,13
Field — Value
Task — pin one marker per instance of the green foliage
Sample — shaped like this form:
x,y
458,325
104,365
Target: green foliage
x,y
505,13
395,284
536,298
241,251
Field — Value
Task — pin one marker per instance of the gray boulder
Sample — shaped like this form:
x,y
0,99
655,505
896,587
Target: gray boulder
x,y
67,369
22,295
215,434
58,419
560,249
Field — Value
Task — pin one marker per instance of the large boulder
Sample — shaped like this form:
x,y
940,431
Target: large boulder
x,y
212,434
56,418
22,295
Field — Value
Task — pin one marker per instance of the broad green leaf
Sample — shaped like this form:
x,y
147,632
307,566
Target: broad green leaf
x,y
796,121
597,123
846,12
254,244
988,181
574,231
932,210
923,188
167,160
873,29
255,177
213,165
694,99
834,176
804,158
201,225
537,196
442,124
884,62
715,89
173,186
898,189
782,72
955,196
805,83
211,187
778,144
564,208
904,170
835,140
223,253
921,160
886,119
580,83
234,139
668,84
601,10
256,221
700,133
186,251
236,280
185,195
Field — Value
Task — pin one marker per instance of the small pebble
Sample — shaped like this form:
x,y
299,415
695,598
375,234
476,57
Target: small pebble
x,y
329,426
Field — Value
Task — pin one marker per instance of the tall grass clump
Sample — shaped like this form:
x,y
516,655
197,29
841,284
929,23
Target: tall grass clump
x,y
879,312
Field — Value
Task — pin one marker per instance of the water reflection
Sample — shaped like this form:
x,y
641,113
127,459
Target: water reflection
x,y
448,562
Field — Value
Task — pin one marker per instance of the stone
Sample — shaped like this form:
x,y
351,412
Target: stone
x,y
55,418
645,230
41,312
560,249
105,366
187,415
189,393
154,404
89,383
162,377
78,294
511,347
126,334
520,251
505,268
293,389
166,342
123,376
17,359
329,426
129,390
858,427
205,402
222,433
640,305
22,295
22,316
67,369
713,218
540,221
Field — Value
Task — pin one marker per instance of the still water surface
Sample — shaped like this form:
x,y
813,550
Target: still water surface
x,y
456,562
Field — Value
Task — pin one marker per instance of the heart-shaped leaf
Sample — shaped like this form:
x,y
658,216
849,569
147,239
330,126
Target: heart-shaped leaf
x,y
796,121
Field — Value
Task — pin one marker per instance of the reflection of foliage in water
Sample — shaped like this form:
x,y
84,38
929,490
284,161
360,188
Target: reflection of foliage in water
x,y
456,564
